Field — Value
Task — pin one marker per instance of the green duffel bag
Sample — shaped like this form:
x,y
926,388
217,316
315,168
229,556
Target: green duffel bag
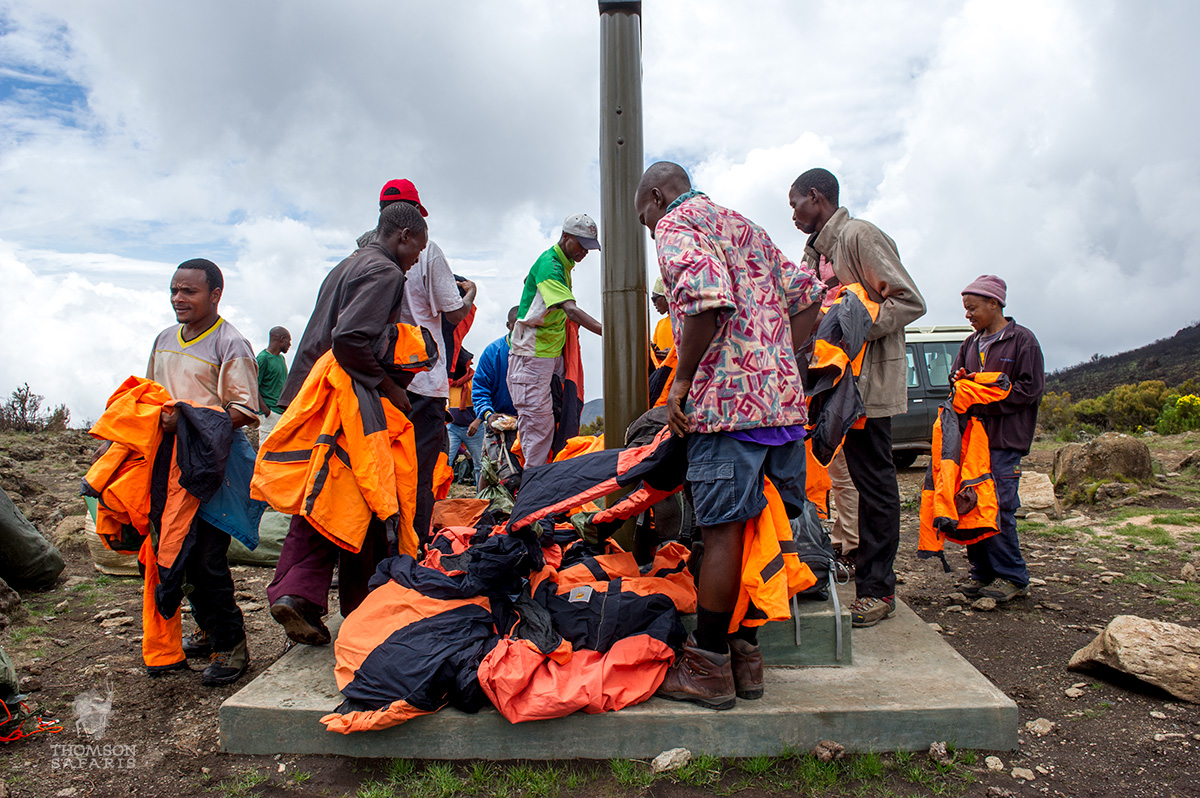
x,y
27,560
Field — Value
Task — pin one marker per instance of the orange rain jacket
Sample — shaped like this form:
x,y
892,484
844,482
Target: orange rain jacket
x,y
341,454
138,512
958,499
834,403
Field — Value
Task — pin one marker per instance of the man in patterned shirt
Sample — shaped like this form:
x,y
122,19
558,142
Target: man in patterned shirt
x,y
737,304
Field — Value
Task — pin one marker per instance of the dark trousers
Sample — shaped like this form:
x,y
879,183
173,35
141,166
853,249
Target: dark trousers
x,y
207,571
869,460
306,564
999,557
428,418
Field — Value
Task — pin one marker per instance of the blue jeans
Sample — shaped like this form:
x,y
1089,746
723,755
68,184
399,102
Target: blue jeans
x,y
457,433
999,557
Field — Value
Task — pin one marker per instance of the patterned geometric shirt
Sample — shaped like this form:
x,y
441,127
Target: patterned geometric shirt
x,y
713,258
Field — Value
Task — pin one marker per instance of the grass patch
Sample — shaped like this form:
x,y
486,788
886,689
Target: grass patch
x,y
703,771
866,767
438,781
241,784
535,781
1176,518
375,789
1153,535
1189,592
1052,532
301,776
399,771
756,765
813,775
631,775
26,632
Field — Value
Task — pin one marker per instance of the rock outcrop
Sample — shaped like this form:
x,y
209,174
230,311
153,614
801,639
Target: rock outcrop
x,y
1163,654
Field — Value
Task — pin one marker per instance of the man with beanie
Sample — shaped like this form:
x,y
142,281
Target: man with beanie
x,y
737,307
536,347
861,253
431,295
1000,344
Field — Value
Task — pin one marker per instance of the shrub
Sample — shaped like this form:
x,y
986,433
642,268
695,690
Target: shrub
x,y
1056,412
23,413
1180,414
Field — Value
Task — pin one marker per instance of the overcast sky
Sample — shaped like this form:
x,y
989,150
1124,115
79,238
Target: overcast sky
x,y
1051,142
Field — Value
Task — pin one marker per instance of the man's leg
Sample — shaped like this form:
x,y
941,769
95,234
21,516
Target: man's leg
x,y
299,592
214,606
1003,550
429,426
845,498
869,459
529,383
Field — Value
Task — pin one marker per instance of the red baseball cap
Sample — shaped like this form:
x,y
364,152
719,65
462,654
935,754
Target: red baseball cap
x,y
401,190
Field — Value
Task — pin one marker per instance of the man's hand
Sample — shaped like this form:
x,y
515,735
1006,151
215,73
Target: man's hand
x,y
168,419
471,430
958,375
100,450
396,395
677,420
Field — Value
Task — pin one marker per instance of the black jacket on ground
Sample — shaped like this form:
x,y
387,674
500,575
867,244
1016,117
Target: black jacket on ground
x,y
1010,423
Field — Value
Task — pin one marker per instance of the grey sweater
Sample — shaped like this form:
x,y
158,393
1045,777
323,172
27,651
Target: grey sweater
x,y
862,253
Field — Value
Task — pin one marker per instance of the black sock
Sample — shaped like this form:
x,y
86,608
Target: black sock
x,y
711,629
747,633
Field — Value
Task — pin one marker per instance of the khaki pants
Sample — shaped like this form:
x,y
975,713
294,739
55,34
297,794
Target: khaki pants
x,y
845,500
529,383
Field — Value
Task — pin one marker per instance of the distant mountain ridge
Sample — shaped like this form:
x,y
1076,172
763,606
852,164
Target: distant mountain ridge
x,y
1173,360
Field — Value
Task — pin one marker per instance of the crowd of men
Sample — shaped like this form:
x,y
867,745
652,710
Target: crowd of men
x,y
738,313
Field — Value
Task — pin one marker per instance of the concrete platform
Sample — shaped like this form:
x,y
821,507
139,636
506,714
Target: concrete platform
x,y
905,689
815,623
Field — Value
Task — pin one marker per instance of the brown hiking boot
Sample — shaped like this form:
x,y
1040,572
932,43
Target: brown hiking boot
x,y
301,619
1003,590
226,667
747,661
702,677
869,610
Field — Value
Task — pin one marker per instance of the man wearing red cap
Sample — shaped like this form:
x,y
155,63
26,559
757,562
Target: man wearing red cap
x,y
431,296
538,337
998,570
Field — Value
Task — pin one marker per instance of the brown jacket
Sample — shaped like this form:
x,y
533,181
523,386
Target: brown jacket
x,y
861,253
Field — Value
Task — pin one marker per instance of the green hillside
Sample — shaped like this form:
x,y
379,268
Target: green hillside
x,y
1173,360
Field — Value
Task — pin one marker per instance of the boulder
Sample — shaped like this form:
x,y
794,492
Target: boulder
x,y
1163,654
1105,458
11,610
1037,495
674,759
1113,490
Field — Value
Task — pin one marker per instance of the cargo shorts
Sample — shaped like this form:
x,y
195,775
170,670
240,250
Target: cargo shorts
x,y
725,477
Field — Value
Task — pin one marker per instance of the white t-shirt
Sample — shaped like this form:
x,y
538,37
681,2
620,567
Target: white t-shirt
x,y
430,291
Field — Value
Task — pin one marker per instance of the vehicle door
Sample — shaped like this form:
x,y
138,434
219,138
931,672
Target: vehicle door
x,y
915,425
939,357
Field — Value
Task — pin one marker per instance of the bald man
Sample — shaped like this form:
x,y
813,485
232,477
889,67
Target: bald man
x,y
737,395
272,374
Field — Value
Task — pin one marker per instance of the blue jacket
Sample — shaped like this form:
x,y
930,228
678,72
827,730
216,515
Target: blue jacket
x,y
489,391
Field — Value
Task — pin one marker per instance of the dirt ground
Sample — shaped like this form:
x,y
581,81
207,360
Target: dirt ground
x,y
1116,738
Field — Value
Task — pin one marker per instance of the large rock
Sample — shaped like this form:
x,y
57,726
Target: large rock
x,y
1107,458
1037,495
1163,654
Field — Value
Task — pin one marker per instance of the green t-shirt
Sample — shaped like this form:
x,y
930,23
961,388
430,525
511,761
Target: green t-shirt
x,y
541,327
272,374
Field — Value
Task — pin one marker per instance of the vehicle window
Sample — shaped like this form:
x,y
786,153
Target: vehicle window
x,y
939,356
912,367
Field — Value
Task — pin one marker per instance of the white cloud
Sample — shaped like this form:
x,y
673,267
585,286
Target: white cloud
x,y
1050,142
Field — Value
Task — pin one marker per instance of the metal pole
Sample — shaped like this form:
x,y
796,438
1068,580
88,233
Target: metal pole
x,y
625,305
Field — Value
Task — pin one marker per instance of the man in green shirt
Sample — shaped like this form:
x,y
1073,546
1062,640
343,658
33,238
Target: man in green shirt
x,y
272,374
536,351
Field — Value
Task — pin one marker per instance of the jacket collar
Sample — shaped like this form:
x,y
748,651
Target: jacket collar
x,y
822,241
379,247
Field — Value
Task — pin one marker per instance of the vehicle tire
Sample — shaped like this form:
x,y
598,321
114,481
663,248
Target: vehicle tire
x,y
904,458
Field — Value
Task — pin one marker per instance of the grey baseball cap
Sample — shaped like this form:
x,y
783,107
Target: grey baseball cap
x,y
582,227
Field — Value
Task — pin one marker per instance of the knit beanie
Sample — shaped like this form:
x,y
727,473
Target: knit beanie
x,y
989,285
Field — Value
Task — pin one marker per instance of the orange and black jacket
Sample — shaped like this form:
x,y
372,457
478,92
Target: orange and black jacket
x,y
149,486
1010,422
341,454
835,404
958,499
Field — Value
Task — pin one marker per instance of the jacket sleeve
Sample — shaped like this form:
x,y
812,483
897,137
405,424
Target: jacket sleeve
x,y
1028,378
880,267
362,321
485,378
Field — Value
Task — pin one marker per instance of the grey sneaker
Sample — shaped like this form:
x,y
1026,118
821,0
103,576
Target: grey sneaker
x,y
868,610
1003,590
971,587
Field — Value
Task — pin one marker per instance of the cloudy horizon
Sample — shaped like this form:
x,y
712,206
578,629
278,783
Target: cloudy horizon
x,y
1048,142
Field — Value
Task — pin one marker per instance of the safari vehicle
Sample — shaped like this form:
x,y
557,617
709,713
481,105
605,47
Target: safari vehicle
x,y
930,352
